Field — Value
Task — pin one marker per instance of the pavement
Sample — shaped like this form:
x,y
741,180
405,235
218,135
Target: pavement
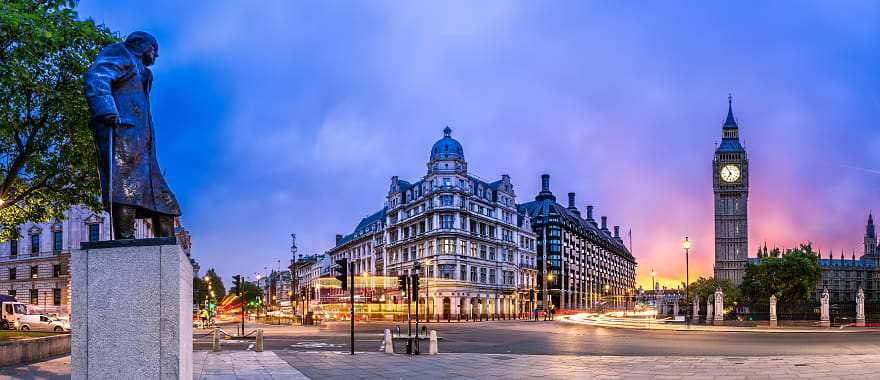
x,y
664,324
248,365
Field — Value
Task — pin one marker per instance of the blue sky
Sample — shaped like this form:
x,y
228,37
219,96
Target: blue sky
x,y
285,116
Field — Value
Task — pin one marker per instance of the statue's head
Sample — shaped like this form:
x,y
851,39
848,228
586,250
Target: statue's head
x,y
144,45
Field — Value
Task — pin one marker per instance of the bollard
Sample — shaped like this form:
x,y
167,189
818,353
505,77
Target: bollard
x,y
388,343
433,349
215,344
258,347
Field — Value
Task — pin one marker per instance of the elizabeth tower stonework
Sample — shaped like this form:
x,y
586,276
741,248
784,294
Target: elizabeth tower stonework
x,y
730,182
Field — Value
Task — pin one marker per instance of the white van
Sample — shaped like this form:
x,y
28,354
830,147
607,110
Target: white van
x,y
40,322
10,313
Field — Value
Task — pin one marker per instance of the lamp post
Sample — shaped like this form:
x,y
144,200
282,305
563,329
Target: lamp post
x,y
550,278
687,246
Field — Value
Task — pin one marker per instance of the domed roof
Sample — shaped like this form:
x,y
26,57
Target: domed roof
x,y
447,148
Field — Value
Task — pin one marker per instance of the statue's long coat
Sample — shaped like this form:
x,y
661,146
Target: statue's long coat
x,y
119,83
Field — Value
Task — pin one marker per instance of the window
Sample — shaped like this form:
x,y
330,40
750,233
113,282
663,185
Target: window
x,y
35,243
447,246
446,270
463,273
35,296
12,273
57,241
12,293
94,232
492,253
473,274
13,248
35,270
492,276
482,251
56,270
446,221
446,200
56,297
483,275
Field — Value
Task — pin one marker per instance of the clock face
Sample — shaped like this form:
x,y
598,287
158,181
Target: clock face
x,y
730,173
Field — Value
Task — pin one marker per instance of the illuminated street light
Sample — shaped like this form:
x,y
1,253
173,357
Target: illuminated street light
x,y
687,295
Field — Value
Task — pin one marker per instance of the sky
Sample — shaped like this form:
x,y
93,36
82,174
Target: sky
x,y
280,117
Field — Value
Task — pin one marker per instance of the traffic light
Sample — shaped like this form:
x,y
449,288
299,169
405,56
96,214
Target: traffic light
x,y
236,281
342,269
414,279
402,283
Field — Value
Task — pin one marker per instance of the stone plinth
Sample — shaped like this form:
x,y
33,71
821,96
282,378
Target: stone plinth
x,y
131,310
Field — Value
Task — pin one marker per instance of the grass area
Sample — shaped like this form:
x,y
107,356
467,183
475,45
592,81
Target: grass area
x,y
13,334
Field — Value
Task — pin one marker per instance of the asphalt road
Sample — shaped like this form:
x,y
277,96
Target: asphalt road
x,y
560,338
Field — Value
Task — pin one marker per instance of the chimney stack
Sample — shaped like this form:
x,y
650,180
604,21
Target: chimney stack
x,y
545,183
571,201
604,223
617,232
338,238
590,213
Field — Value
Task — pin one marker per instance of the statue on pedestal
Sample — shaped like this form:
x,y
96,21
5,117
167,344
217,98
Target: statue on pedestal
x,y
117,89
773,311
824,320
709,314
696,316
860,308
719,305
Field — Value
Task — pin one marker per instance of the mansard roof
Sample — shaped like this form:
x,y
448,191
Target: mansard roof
x,y
545,207
364,226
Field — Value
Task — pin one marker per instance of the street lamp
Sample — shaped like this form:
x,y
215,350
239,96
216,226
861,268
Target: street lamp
x,y
687,246
427,287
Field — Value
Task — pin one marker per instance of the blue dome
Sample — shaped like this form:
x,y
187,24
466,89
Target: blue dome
x,y
447,148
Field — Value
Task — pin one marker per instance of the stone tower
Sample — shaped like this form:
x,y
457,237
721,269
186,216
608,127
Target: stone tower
x,y
730,182
870,237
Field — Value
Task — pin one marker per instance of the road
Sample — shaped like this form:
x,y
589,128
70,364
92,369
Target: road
x,y
560,338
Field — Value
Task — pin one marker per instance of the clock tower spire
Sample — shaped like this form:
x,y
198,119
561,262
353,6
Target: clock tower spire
x,y
730,182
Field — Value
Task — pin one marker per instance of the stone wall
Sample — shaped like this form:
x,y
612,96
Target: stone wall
x,y
33,350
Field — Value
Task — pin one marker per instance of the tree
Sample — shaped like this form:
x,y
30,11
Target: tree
x,y
251,292
791,276
47,160
215,284
704,287
200,291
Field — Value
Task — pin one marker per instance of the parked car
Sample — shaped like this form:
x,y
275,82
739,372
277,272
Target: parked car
x,y
39,322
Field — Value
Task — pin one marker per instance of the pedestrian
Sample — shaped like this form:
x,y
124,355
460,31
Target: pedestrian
x,y
536,314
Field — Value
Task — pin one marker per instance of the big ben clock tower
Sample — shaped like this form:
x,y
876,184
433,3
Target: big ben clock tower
x,y
730,181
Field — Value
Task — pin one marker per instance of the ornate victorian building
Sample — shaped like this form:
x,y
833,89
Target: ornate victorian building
x,y
35,268
730,182
581,264
477,251
843,277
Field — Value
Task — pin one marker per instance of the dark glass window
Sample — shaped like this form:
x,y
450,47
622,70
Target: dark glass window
x,y
94,232
12,292
35,296
446,221
13,248
56,270
56,296
57,241
12,274
35,243
35,270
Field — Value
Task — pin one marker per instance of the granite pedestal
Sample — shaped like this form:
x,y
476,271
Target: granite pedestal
x,y
131,310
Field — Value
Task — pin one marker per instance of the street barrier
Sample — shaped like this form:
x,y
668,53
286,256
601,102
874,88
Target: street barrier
x,y
388,343
215,341
258,346
433,349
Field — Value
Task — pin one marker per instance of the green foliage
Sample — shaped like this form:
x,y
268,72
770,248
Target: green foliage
x,y
791,277
200,291
252,292
215,284
47,161
703,287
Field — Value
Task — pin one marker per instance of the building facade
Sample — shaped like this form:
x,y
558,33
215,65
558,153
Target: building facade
x,y
730,182
477,252
843,277
35,268
580,263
